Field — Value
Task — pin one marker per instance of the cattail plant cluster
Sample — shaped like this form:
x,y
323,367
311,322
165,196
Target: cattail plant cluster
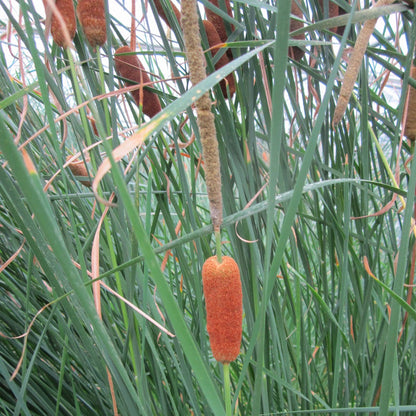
x,y
224,307
216,35
128,66
218,21
296,23
91,16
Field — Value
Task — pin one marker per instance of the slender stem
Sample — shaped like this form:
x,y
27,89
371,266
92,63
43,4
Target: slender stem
x,y
218,245
103,91
79,99
227,390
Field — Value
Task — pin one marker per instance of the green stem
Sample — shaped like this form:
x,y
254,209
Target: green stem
x,y
218,245
227,390
80,100
103,91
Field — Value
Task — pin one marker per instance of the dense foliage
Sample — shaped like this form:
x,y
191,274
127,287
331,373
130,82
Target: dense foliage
x,y
319,218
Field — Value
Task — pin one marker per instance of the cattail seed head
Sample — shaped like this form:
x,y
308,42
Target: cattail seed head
x,y
224,307
162,14
130,67
295,52
333,11
214,39
218,21
91,16
79,169
63,35
410,125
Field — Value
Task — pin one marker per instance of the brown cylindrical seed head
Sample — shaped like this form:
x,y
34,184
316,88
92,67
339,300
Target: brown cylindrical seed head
x,y
224,306
333,11
130,67
66,8
218,21
91,16
410,125
162,14
79,169
214,39
295,52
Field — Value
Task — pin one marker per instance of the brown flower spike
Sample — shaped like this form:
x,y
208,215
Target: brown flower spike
x,y
63,35
354,65
162,14
224,307
217,20
410,124
79,169
130,67
205,117
333,11
91,16
214,39
295,52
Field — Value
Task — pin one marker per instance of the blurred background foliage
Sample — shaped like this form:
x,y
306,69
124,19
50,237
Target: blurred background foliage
x,y
320,218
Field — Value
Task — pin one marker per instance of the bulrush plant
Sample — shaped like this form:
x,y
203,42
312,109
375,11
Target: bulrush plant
x,y
63,30
220,275
128,66
213,40
410,123
91,16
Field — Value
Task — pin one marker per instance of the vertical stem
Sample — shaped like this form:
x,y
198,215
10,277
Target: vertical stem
x,y
218,245
103,91
79,100
227,390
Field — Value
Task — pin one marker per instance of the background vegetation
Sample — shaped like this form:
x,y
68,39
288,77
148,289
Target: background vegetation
x,y
319,218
